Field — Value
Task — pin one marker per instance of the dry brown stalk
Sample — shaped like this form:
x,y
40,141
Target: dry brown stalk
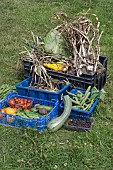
x,y
83,37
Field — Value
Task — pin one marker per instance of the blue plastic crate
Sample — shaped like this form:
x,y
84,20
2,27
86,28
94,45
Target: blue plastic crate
x,y
78,113
24,89
21,122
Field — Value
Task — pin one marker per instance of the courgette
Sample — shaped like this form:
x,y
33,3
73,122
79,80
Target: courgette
x,y
57,123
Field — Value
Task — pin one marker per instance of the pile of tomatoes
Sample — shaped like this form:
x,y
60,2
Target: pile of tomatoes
x,y
20,103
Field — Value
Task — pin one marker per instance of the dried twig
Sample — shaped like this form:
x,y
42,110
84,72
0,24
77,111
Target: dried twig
x,y
83,37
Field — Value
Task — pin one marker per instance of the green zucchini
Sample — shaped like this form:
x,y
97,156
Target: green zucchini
x,y
57,123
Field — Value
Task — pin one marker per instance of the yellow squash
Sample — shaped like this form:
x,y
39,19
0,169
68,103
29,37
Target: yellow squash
x,y
10,110
55,66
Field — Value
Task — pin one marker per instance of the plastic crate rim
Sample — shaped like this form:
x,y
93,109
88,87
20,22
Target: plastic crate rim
x,y
18,85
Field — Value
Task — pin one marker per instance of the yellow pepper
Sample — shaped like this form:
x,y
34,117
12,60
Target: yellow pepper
x,y
10,110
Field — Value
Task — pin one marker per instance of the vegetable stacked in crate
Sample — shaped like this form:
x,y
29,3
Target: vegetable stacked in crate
x,y
70,53
78,108
26,112
83,103
81,82
82,100
24,88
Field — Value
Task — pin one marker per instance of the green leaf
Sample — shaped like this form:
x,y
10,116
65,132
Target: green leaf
x,y
55,43
100,94
94,90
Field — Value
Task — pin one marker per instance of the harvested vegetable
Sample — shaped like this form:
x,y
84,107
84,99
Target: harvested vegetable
x,y
26,114
22,113
9,110
98,93
2,110
57,123
20,103
32,115
4,89
55,42
83,37
34,112
12,103
84,101
44,80
55,66
27,110
43,106
43,111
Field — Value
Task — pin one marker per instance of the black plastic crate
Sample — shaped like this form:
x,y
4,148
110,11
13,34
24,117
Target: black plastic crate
x,y
27,68
103,60
81,82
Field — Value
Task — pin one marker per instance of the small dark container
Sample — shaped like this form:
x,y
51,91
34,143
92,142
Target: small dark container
x,y
79,124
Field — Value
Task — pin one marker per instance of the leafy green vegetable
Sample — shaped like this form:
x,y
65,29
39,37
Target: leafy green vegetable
x,y
4,89
95,93
34,109
102,94
31,114
22,113
85,100
55,43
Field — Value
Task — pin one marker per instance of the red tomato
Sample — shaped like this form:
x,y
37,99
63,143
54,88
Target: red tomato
x,y
22,102
24,106
12,103
16,99
25,101
28,101
17,106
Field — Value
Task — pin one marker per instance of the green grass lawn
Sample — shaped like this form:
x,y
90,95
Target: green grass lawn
x,y
22,149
